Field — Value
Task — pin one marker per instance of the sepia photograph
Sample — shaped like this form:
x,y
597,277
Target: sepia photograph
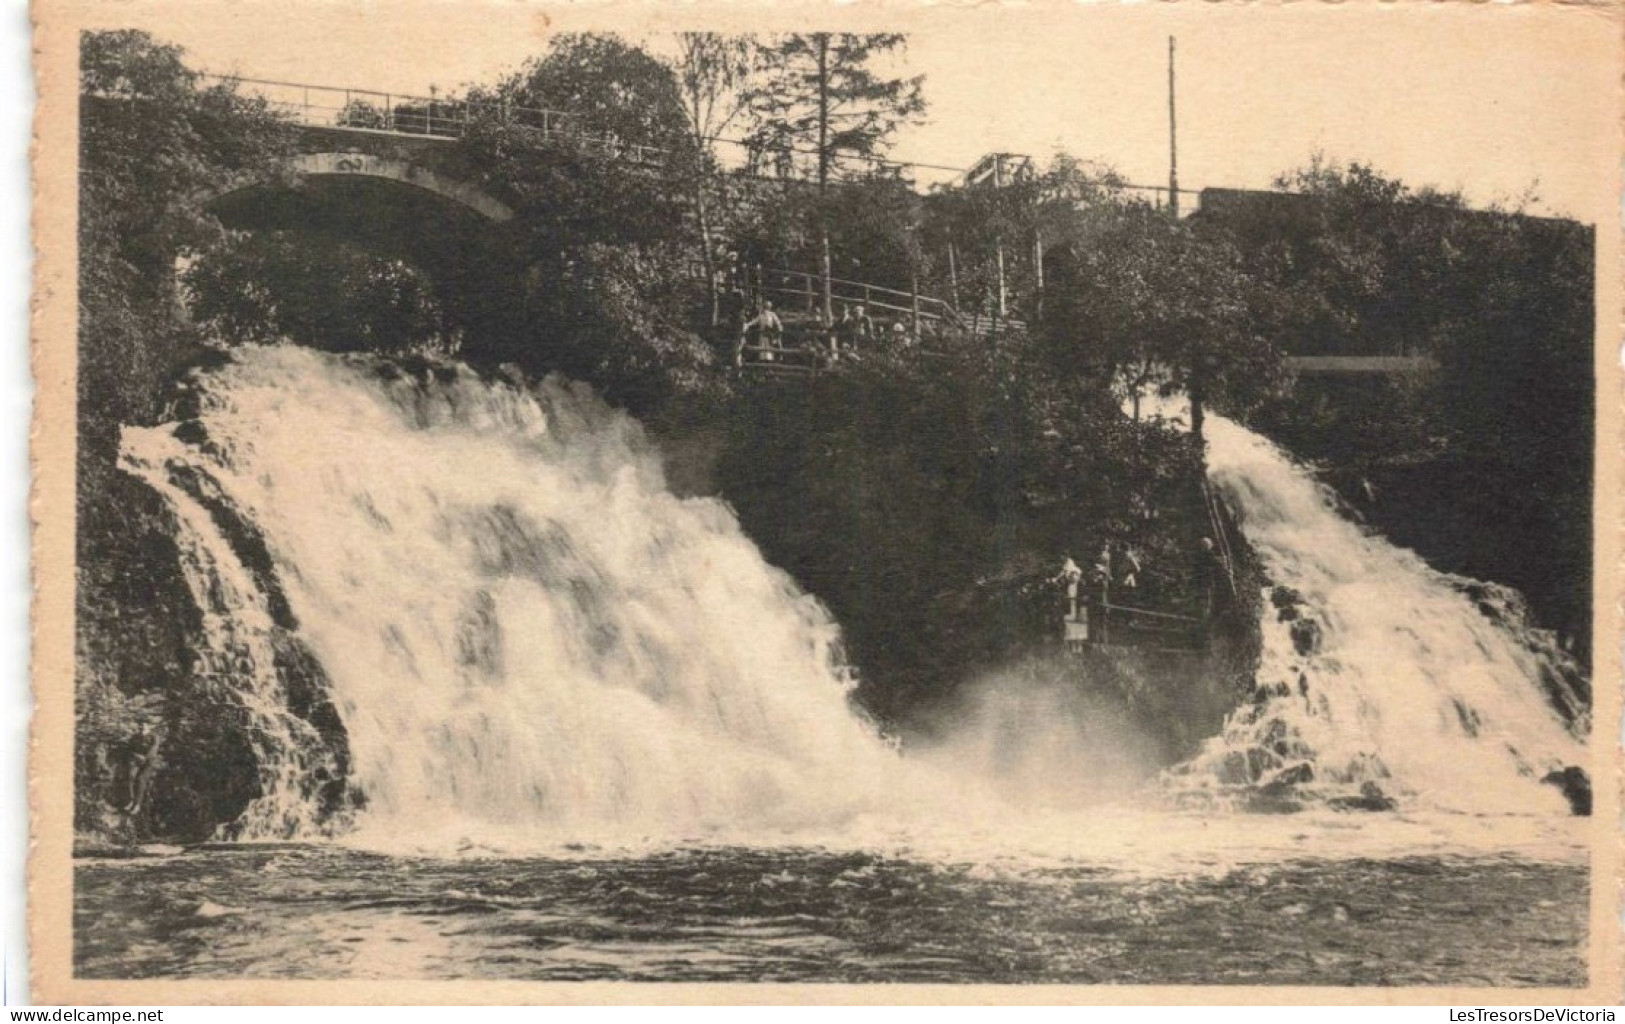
x,y
872,496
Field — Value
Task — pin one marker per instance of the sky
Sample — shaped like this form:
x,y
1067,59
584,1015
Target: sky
x,y
1493,100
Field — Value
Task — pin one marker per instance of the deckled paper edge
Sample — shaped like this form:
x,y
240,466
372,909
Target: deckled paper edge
x,y
53,438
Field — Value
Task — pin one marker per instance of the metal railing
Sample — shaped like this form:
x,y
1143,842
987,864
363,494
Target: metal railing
x,y
1101,623
444,117
1219,522
807,289
435,117
372,111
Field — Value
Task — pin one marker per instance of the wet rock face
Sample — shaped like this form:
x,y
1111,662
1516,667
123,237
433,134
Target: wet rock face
x,y
162,749
1371,798
1305,637
1282,789
143,724
1562,678
1285,600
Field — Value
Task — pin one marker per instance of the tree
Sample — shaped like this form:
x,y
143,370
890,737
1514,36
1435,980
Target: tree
x,y
152,136
1151,304
822,89
1353,254
712,71
606,87
874,223
602,250
967,228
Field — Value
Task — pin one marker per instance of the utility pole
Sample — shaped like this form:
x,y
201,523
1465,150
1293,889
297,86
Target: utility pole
x,y
823,174
1173,138
998,240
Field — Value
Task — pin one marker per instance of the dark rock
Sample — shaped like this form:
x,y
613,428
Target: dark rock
x,y
1371,798
1575,785
1285,597
1282,788
191,432
1233,769
1277,732
1260,761
1278,802
1306,636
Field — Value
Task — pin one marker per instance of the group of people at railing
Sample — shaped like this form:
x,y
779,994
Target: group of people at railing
x,y
1117,565
765,332
1110,599
810,341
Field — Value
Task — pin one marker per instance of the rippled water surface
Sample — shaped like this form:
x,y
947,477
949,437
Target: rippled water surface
x,y
788,914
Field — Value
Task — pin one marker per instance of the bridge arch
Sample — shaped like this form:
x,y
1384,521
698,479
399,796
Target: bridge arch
x,y
354,165
393,206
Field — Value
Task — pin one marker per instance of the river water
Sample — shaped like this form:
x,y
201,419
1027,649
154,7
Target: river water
x,y
590,734
1308,901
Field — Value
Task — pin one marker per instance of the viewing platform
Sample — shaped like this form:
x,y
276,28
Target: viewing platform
x,y
1104,624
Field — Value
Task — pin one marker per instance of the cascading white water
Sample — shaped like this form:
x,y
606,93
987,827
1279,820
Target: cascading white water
x,y
237,649
1379,673
528,639
523,629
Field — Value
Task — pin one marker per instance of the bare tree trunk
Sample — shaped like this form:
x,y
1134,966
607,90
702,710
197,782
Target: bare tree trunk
x,y
1198,397
999,244
708,255
1038,270
1140,380
914,301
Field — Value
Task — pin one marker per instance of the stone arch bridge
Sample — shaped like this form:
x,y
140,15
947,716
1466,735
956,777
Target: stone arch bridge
x,y
381,169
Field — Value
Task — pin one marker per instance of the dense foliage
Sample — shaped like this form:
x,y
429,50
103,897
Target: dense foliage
x,y
930,504
1152,305
152,137
1468,460
271,286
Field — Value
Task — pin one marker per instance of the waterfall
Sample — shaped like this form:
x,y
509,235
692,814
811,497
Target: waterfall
x,y
442,609
1382,682
242,665
522,629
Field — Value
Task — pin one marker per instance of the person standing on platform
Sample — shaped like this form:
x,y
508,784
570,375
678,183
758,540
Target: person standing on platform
x,y
1206,576
1103,571
769,334
1071,577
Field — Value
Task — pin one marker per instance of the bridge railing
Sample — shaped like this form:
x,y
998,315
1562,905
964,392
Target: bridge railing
x,y
435,117
371,110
